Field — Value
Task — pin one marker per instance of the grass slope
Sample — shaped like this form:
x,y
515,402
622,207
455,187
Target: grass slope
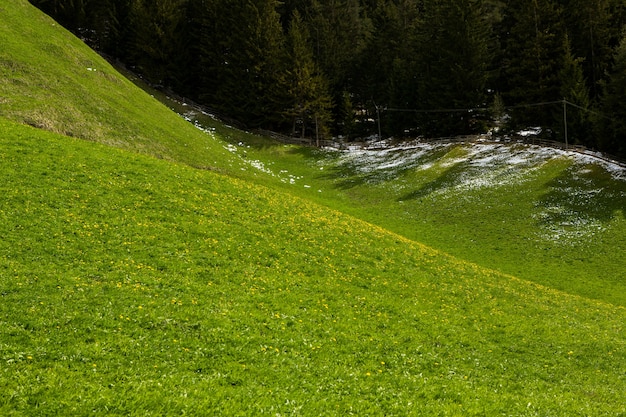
x,y
133,286
137,286
49,79
534,213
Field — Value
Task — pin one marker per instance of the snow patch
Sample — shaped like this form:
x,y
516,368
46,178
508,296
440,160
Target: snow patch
x,y
487,164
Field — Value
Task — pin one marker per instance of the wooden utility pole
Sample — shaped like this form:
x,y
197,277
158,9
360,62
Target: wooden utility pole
x,y
380,135
565,120
317,132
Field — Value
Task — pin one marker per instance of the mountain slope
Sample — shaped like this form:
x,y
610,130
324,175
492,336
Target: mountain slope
x,y
48,81
553,217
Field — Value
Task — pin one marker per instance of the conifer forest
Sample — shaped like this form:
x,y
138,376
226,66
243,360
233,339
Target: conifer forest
x,y
354,68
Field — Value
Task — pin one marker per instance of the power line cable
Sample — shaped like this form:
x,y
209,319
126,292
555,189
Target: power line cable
x,y
479,109
437,110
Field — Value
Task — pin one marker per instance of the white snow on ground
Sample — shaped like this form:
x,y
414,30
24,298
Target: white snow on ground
x,y
571,227
470,167
254,163
260,166
190,117
388,161
489,165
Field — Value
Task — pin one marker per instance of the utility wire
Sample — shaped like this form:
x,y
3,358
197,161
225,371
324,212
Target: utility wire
x,y
545,103
437,110
469,109
479,109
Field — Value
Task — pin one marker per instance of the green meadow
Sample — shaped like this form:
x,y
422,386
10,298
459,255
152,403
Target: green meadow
x,y
148,267
49,80
552,218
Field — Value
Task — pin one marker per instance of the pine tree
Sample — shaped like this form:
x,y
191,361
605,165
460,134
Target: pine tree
x,y
309,100
448,68
109,20
242,53
574,90
340,32
102,24
69,13
286,9
617,13
588,27
612,124
406,70
382,62
157,45
532,34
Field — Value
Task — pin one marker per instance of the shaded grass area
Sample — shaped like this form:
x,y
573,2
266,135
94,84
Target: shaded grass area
x,y
132,286
588,190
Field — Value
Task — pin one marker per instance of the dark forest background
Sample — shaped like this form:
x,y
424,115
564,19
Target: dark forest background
x,y
427,67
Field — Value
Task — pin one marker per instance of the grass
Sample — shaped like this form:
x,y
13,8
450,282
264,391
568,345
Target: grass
x,y
554,221
48,79
133,283
125,293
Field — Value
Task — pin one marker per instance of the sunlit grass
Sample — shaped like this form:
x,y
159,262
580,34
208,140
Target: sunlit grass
x,y
50,80
134,286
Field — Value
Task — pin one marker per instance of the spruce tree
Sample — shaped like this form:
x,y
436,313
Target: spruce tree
x,y
109,20
381,64
406,69
102,24
242,50
532,34
448,68
612,123
309,101
575,91
589,31
340,32
617,13
71,14
157,43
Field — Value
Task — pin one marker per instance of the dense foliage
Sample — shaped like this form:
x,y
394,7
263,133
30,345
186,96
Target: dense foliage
x,y
433,67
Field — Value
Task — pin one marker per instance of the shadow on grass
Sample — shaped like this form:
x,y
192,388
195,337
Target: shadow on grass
x,y
583,192
346,177
355,173
443,180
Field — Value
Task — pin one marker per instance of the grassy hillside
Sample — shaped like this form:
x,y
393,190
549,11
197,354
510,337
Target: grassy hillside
x,y
556,218
133,285
52,84
543,215
50,80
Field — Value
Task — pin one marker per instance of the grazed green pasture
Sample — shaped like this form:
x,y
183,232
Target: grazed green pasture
x,y
554,220
133,286
134,283
50,80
